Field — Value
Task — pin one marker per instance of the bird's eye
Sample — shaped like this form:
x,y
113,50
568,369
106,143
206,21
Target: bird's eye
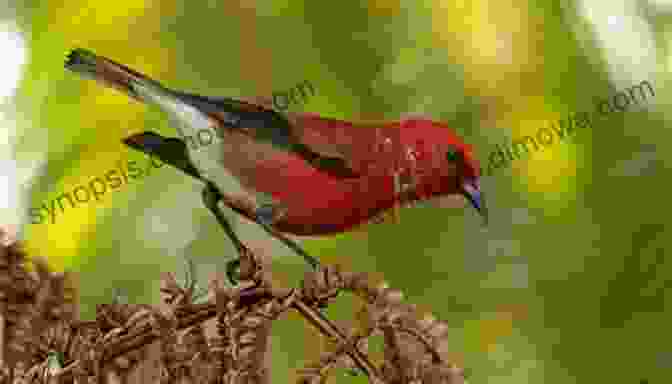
x,y
452,154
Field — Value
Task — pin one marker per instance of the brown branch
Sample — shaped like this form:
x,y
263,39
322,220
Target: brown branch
x,y
329,329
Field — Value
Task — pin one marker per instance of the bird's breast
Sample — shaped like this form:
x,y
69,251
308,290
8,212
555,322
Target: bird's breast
x,y
329,209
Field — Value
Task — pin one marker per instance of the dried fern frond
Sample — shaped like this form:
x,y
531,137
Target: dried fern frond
x,y
415,344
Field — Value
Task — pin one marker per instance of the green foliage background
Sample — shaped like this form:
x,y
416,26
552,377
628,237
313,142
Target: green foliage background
x,y
570,283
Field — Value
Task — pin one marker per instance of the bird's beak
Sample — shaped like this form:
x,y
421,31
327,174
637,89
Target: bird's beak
x,y
471,190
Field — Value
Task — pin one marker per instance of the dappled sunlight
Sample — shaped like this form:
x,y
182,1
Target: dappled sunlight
x,y
528,116
12,174
13,48
552,168
620,26
548,170
504,49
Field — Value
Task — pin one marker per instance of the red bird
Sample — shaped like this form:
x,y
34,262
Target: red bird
x,y
321,175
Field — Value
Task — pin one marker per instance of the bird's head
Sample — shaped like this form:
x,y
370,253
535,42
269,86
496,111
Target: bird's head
x,y
463,175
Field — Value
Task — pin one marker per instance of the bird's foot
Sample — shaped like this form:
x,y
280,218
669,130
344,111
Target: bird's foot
x,y
211,197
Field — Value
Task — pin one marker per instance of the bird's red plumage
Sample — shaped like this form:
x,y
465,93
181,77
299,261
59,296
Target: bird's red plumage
x,y
318,203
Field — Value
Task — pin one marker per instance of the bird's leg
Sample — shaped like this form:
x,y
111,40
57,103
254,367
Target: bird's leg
x,y
264,215
211,196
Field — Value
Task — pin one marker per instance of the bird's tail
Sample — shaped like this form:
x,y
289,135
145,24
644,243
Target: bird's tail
x,y
108,72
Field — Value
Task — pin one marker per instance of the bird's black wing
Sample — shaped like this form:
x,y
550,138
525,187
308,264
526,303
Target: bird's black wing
x,y
261,123
169,150
271,127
